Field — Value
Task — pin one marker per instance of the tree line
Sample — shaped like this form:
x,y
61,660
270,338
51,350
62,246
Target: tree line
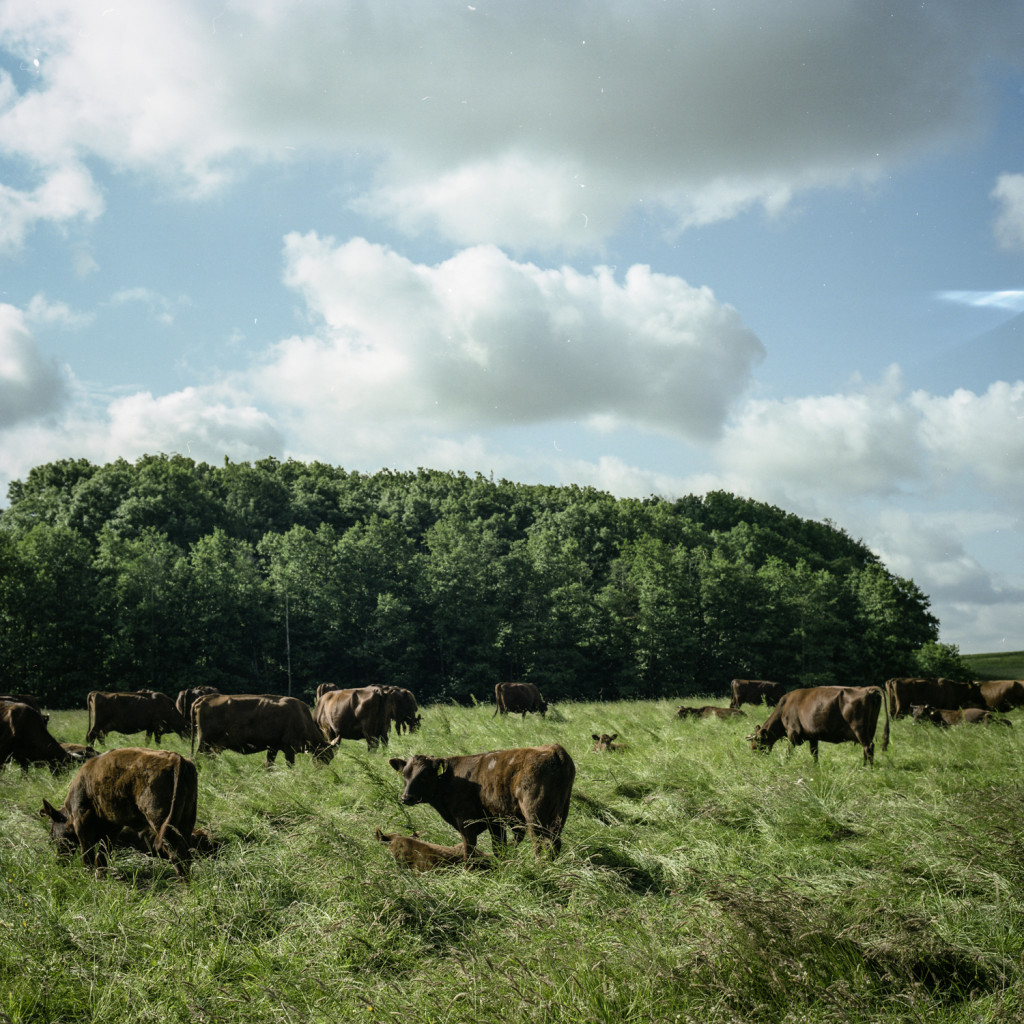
x,y
275,576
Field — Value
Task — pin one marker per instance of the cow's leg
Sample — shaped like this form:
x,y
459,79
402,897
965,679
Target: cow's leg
x,y
814,749
271,754
91,833
869,753
289,755
498,838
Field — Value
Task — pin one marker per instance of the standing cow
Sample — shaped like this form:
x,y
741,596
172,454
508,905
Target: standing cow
x,y
1003,694
753,691
144,711
825,714
249,723
186,698
153,793
404,709
903,694
527,789
518,697
363,713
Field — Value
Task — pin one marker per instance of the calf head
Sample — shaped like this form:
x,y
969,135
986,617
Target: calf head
x,y
62,832
423,777
926,713
604,741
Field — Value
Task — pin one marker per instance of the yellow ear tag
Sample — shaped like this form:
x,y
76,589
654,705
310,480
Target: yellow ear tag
x,y
441,765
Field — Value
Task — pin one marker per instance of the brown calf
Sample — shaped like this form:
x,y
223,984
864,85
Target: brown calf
x,y
420,855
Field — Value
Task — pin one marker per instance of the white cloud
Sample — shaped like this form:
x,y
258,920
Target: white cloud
x,y
162,308
31,386
64,194
512,124
41,310
480,340
1009,225
1012,299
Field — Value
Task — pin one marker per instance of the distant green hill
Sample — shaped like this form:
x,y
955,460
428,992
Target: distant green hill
x,y
1002,665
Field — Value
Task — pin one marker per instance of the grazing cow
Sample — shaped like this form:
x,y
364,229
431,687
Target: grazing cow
x,y
944,717
1003,694
145,711
249,723
25,739
527,789
829,714
152,792
606,742
420,855
360,714
939,693
186,698
753,691
709,711
516,697
405,710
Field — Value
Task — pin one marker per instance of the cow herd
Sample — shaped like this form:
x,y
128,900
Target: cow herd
x,y
147,799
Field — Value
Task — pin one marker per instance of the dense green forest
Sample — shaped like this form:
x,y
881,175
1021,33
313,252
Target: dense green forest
x,y
270,576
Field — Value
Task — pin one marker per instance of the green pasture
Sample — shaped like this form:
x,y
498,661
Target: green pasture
x,y
699,882
1001,665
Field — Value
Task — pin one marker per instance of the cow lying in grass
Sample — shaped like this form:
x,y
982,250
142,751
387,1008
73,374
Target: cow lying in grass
x,y
944,717
419,855
709,711
606,742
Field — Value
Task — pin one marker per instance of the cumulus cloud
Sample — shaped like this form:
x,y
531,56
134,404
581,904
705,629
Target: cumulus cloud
x,y
64,194
1009,225
481,340
513,124
31,386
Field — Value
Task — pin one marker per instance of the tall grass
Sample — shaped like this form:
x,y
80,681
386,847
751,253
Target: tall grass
x,y
698,882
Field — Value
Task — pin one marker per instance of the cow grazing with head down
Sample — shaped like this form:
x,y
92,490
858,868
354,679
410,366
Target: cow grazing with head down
x,y
527,789
825,714
945,717
153,793
419,855
186,698
249,723
709,711
363,713
753,691
404,709
1003,694
518,697
25,739
904,693
144,711
606,742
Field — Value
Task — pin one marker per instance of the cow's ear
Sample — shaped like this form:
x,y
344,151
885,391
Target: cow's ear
x,y
398,764
595,737
614,736
380,835
49,811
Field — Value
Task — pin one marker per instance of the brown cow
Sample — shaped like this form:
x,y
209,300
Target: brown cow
x,y
152,792
829,714
709,711
516,697
753,691
945,717
360,714
186,698
903,693
145,711
420,855
1003,694
248,723
606,742
25,739
24,698
405,710
527,789
325,688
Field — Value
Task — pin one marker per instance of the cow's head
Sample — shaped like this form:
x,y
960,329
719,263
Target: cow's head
x,y
414,723
926,713
761,739
685,712
604,741
422,776
62,832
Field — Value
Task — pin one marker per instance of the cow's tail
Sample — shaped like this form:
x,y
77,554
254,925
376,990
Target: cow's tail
x,y
180,843
90,701
885,734
192,730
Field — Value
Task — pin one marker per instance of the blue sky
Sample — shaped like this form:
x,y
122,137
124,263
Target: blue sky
x,y
657,247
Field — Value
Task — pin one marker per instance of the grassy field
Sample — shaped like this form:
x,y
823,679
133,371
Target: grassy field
x,y
699,882
1002,665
